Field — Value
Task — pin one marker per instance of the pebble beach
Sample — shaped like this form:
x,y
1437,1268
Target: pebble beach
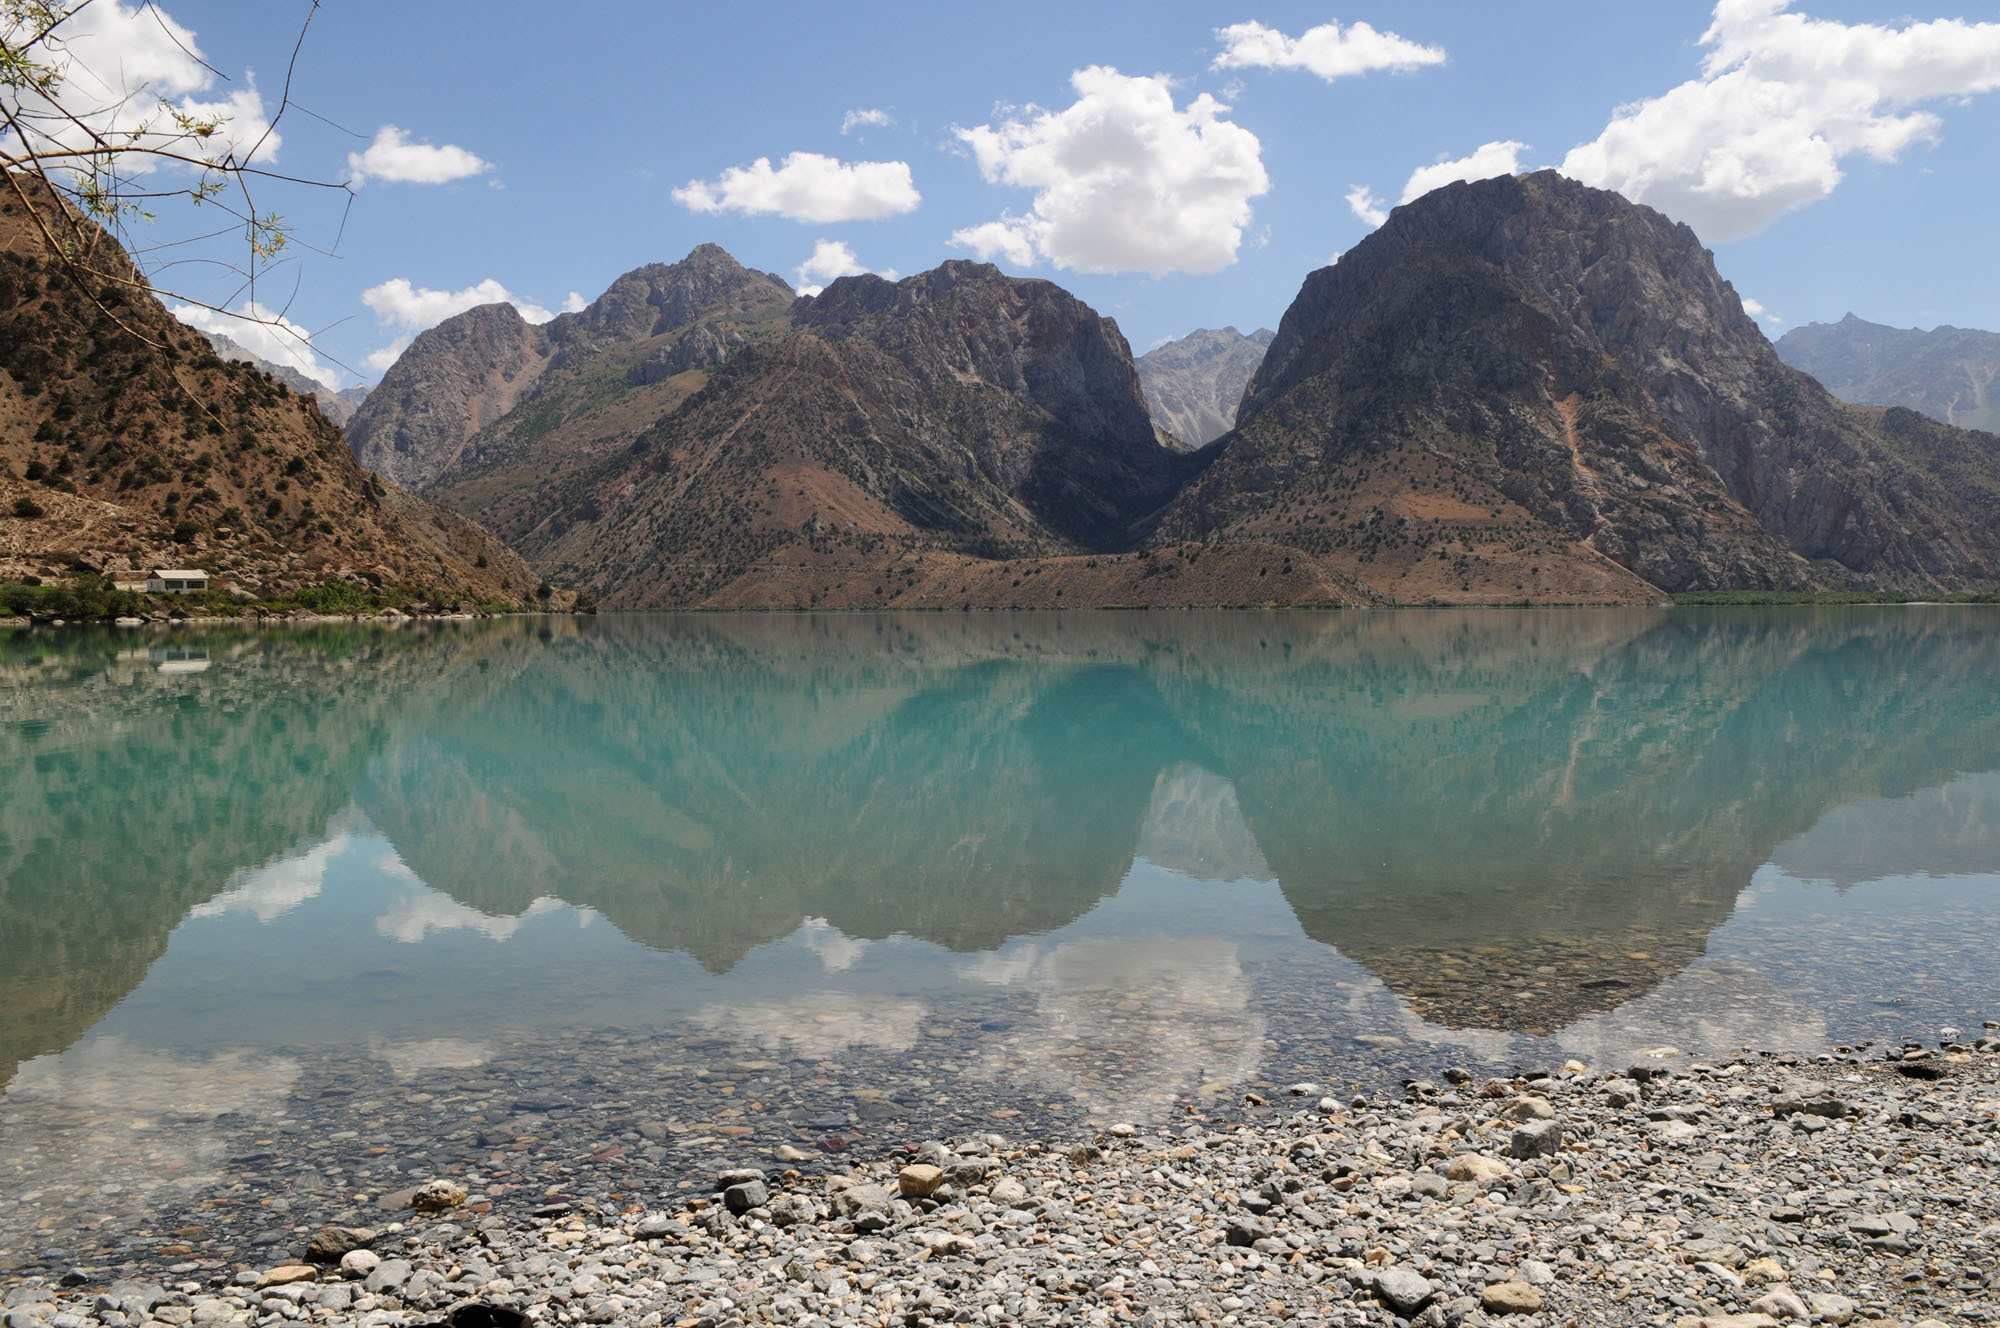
x,y
1855,1187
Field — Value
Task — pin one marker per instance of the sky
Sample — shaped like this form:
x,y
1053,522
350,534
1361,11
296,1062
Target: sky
x,y
1177,164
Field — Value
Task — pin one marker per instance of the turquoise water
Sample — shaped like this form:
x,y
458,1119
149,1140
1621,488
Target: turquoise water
x,y
1106,864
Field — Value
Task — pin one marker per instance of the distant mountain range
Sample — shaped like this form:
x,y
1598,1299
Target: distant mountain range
x,y
127,443
1516,390
1193,385
1949,373
337,406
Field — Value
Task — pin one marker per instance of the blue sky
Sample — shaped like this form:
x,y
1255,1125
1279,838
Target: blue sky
x,y
1830,164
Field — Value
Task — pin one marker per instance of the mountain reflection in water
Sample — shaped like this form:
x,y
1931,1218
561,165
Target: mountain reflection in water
x,y
1452,827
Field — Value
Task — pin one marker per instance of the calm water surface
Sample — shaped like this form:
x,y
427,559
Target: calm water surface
x,y
288,920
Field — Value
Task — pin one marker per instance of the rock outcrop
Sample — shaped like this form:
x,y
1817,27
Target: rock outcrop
x,y
1193,385
1948,373
1526,386
466,371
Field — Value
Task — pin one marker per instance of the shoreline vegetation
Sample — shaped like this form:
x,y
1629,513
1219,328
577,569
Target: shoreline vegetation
x,y
85,602
1775,1188
93,599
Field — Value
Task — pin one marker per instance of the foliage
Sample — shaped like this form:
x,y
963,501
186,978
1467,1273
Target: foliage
x,y
88,596
83,152
1748,597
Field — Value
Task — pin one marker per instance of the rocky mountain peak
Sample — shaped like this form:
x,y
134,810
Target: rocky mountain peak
x,y
1193,385
661,297
1638,285
1531,345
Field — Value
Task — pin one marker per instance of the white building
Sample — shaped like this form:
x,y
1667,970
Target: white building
x,y
176,581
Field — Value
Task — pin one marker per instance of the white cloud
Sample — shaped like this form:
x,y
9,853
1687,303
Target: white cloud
x,y
868,119
269,892
394,158
1008,239
574,303
808,187
1782,99
415,916
1327,50
1756,309
1367,205
1123,181
266,334
131,61
1486,161
382,358
398,303
830,261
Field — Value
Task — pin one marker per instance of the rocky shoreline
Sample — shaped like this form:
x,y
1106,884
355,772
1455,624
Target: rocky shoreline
x,y
1839,1188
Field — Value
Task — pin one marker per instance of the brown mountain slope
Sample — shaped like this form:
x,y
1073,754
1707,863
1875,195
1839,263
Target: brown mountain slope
x,y
444,417
1523,385
900,430
117,453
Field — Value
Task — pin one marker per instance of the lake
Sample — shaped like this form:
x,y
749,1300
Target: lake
x,y
566,909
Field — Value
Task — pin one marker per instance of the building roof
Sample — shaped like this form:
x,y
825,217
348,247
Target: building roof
x,y
180,574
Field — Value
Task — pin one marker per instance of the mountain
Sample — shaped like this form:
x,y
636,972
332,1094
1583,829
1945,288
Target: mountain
x,y
959,412
126,442
1192,385
337,406
1949,373
637,351
1526,388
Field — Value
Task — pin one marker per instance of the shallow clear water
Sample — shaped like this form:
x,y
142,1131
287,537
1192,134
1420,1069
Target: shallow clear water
x,y
381,897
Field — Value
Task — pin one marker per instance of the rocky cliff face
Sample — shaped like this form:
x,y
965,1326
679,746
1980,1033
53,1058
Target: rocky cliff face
x,y
466,371
1193,385
126,442
1525,384
1948,373
959,412
432,421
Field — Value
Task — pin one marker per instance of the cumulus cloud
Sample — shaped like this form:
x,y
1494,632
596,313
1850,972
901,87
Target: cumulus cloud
x,y
868,119
269,892
1485,162
381,358
130,61
831,260
1124,181
1781,101
807,187
1366,204
265,333
1756,309
395,158
1328,50
415,916
399,303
